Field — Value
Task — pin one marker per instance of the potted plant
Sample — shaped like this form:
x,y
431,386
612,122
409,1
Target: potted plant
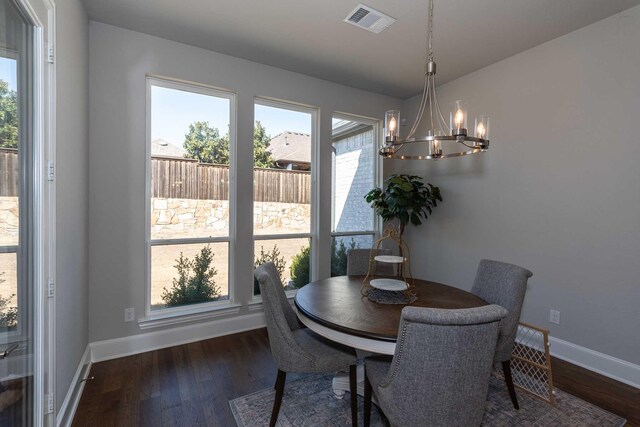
x,y
405,198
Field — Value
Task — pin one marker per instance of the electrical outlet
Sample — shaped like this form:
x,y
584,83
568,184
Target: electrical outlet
x,y
554,316
129,314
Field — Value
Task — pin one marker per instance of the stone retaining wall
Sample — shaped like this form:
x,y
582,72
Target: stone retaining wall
x,y
184,218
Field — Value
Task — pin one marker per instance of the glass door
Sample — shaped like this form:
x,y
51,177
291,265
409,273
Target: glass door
x,y
16,218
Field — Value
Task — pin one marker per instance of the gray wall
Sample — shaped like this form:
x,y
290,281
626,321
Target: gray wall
x,y
559,191
72,231
119,60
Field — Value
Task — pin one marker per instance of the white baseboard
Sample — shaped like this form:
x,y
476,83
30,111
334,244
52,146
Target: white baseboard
x,y
134,344
64,417
603,364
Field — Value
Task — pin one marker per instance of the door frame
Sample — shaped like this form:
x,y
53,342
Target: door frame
x,y
41,13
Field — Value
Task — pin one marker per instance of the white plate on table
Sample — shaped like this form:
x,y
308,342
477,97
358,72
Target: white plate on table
x,y
393,259
389,284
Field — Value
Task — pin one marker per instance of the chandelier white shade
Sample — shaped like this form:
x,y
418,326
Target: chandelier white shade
x,y
437,138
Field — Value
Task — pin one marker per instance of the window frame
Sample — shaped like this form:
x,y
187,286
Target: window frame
x,y
167,316
26,198
314,193
377,175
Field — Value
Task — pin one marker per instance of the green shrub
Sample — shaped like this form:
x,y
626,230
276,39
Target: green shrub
x,y
339,257
271,256
300,267
194,283
8,315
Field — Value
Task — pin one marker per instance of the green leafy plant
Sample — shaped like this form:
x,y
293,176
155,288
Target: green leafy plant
x,y
300,268
339,257
8,315
262,157
204,143
405,198
270,256
8,116
194,283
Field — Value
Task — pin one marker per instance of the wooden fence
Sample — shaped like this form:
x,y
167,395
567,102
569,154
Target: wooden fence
x,y
9,172
188,179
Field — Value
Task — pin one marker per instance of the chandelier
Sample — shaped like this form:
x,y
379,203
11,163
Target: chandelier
x,y
430,130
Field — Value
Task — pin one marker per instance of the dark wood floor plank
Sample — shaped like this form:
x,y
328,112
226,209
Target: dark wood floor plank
x,y
133,374
184,372
148,372
107,414
199,360
150,412
169,387
191,385
612,395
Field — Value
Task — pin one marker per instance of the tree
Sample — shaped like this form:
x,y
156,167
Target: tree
x,y
205,144
300,268
269,256
339,257
261,155
194,283
8,116
8,314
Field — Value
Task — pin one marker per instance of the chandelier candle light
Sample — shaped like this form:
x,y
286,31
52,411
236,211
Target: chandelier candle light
x,y
430,128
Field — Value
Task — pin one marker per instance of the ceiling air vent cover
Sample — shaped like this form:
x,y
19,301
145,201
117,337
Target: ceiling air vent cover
x,y
368,18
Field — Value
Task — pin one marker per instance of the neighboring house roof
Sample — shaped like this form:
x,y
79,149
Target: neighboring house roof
x,y
291,147
343,128
161,147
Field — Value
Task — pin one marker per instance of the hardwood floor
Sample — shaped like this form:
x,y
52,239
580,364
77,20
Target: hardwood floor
x,y
179,386
191,384
608,394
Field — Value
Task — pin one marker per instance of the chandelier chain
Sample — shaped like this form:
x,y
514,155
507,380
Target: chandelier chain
x,y
430,33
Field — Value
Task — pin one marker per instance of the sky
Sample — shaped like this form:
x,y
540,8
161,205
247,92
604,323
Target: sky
x,y
174,110
8,72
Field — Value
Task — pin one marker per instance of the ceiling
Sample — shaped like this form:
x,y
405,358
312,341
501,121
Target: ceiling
x,y
309,37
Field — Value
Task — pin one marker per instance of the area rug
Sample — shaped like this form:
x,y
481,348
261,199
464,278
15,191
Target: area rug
x,y
309,401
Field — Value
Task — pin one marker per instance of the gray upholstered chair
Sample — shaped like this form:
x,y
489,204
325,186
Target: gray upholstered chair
x,y
439,374
297,349
503,284
358,263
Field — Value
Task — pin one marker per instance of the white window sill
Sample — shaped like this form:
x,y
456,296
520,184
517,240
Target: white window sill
x,y
169,317
256,303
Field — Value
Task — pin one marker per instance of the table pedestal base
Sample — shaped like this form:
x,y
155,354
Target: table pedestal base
x,y
340,383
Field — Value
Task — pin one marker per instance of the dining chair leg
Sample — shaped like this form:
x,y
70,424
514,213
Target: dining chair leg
x,y
353,391
367,400
278,400
506,369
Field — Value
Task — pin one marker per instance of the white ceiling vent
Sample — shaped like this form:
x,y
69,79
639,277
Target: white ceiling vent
x,y
368,18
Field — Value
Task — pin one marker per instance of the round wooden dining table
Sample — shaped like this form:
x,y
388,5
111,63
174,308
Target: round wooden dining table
x,y
336,309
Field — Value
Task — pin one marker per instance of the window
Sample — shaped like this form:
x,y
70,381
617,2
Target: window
x,y
355,173
282,191
190,204
16,182
10,212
